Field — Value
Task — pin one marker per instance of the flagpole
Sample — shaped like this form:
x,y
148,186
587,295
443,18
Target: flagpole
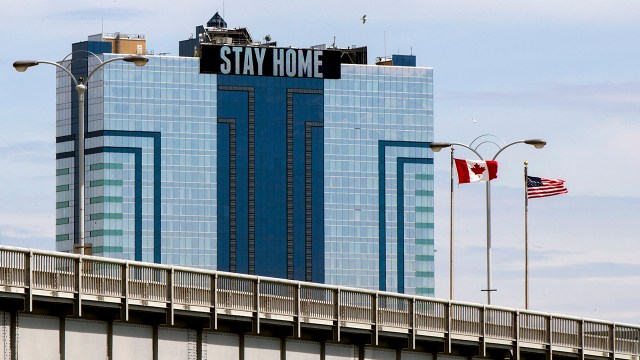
x,y
526,240
451,232
437,146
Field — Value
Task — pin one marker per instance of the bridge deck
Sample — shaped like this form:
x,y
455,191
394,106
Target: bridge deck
x,y
35,278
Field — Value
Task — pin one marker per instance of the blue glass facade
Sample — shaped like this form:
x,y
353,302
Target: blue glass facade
x,y
301,178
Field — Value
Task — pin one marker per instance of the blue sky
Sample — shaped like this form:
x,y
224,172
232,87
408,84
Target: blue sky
x,y
563,71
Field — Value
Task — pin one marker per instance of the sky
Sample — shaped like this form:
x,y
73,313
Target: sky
x,y
566,72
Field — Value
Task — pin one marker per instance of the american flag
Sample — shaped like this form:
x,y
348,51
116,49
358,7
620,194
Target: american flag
x,y
541,187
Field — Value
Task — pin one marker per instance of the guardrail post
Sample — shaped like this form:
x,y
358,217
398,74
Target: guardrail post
x,y
581,335
550,337
256,322
125,292
298,312
77,264
483,331
448,335
636,345
214,304
375,319
613,340
516,335
170,310
336,301
413,323
28,262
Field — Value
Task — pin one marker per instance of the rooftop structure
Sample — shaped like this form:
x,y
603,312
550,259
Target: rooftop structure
x,y
123,43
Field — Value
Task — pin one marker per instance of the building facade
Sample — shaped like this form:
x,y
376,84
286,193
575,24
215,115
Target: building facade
x,y
291,175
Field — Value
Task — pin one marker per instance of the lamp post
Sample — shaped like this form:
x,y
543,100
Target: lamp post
x,y
81,87
437,146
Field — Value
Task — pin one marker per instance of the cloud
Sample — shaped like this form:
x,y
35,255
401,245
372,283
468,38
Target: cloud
x,y
607,98
118,13
615,11
28,151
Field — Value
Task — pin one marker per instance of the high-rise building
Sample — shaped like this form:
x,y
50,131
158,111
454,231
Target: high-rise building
x,y
243,156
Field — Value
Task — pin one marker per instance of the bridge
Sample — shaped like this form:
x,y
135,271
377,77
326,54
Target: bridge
x,y
66,306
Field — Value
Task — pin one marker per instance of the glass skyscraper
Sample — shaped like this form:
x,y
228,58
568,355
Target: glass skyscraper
x,y
300,177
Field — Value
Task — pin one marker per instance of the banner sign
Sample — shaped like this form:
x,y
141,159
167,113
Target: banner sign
x,y
270,61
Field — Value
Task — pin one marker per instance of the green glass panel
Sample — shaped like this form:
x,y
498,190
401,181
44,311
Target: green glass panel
x,y
105,232
424,193
62,221
62,204
60,188
424,273
420,225
424,208
105,182
62,237
104,199
424,241
425,291
110,216
424,177
60,172
103,249
109,166
424,257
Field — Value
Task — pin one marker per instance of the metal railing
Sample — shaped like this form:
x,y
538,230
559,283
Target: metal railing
x,y
57,274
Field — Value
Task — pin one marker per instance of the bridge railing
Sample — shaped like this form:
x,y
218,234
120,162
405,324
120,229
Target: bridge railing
x,y
102,278
57,274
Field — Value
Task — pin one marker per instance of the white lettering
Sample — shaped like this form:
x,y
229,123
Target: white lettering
x,y
317,63
287,62
291,63
304,63
260,52
248,63
225,67
278,62
237,50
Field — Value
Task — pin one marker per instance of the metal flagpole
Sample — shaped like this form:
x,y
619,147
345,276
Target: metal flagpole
x,y
526,239
451,233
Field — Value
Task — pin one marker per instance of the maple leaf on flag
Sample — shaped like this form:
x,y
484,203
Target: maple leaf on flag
x,y
477,169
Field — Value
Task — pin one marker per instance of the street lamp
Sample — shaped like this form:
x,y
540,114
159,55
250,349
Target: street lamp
x,y
437,146
81,87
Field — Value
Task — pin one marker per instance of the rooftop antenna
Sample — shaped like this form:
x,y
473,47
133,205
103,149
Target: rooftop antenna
x,y
223,9
334,42
102,27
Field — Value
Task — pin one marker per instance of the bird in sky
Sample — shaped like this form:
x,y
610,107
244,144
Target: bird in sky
x,y
364,18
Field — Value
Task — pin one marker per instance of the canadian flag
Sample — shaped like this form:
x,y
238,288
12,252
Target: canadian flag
x,y
475,170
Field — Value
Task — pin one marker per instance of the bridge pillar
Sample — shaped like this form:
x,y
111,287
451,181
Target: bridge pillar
x,y
154,342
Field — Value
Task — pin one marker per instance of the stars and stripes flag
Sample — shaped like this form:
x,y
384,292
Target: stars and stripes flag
x,y
542,187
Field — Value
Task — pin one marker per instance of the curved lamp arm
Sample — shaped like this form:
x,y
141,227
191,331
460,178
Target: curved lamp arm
x,y
537,143
487,135
23,65
82,51
437,146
